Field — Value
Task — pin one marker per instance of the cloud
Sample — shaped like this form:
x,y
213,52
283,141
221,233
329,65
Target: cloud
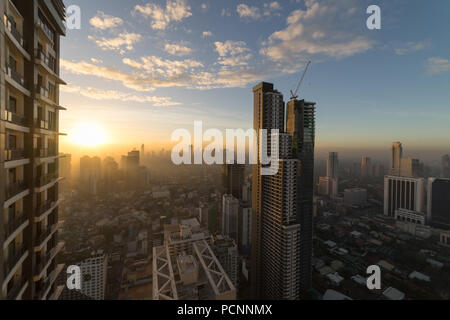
x,y
163,67
225,12
230,47
175,11
207,34
99,94
271,7
438,65
234,61
245,11
103,21
412,47
324,29
177,50
123,42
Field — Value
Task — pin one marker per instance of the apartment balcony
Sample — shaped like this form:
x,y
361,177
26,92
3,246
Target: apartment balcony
x,y
45,95
42,238
45,125
14,118
13,225
49,281
48,61
16,76
9,24
14,189
18,288
46,206
46,179
45,153
12,261
46,30
46,260
15,154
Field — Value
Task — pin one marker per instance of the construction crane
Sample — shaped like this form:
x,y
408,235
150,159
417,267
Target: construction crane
x,y
294,93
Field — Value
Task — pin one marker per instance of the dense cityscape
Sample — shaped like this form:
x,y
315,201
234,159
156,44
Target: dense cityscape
x,y
141,227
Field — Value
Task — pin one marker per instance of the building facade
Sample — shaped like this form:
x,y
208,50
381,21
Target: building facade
x,y
438,202
403,193
396,158
29,128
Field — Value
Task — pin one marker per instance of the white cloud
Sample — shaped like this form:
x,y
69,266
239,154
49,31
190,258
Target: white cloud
x,y
324,29
235,61
438,65
103,21
124,41
163,67
99,94
230,47
225,12
207,34
177,50
245,11
271,7
412,47
175,11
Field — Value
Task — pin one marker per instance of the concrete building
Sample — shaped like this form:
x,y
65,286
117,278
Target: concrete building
x,y
230,216
190,276
446,166
396,156
403,193
245,230
90,175
94,272
333,165
411,168
412,222
179,237
30,34
366,167
328,186
355,197
226,251
438,202
233,179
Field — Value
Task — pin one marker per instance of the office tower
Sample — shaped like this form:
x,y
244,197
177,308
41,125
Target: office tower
x,y
247,192
355,197
403,193
142,153
328,187
29,172
438,203
191,275
110,171
332,165
226,252
366,167
411,168
233,176
301,125
245,230
90,175
268,113
396,156
446,166
230,216
378,170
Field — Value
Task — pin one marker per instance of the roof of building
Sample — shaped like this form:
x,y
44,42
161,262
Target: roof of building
x,y
393,294
334,295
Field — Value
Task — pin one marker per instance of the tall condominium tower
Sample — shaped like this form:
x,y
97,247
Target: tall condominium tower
x,y
438,203
366,167
233,179
332,165
268,113
301,124
403,193
230,216
396,158
29,128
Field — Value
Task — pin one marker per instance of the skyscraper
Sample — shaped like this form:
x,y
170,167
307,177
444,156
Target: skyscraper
x,y
396,156
403,193
29,170
90,174
268,113
301,124
233,179
366,167
332,165
230,216
438,203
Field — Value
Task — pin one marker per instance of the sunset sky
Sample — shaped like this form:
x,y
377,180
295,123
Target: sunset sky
x,y
137,70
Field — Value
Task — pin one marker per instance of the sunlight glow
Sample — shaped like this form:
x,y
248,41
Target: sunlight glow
x,y
88,135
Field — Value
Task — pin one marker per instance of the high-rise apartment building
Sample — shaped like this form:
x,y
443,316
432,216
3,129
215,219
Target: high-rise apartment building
x,y
226,251
366,167
230,216
403,193
268,113
438,203
301,124
90,174
332,165
396,156
29,128
411,168
233,176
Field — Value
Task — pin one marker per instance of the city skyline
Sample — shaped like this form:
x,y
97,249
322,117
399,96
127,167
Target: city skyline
x,y
201,70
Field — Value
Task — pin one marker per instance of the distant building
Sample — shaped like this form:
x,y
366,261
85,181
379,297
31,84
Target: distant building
x,y
446,166
411,168
230,216
328,186
412,222
332,165
90,174
245,230
355,197
366,167
403,193
226,251
438,202
396,156
233,179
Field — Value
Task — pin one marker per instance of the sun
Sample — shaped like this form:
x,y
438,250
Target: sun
x,y
88,135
